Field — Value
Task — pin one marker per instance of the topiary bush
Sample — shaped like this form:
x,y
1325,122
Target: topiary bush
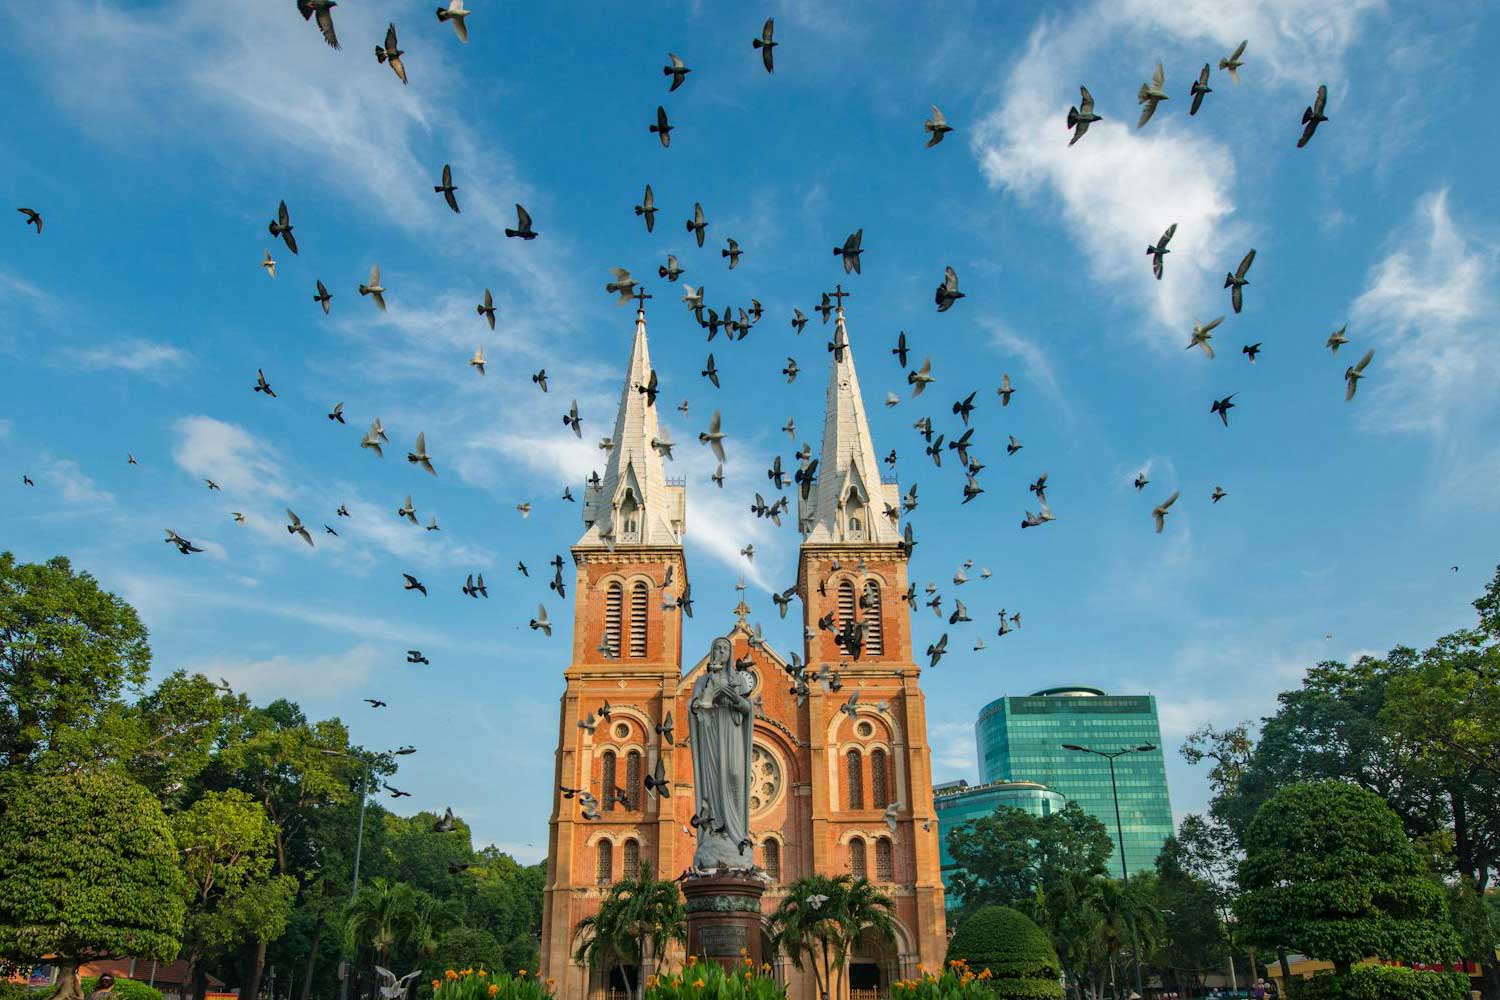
x,y
1013,949
1385,982
125,989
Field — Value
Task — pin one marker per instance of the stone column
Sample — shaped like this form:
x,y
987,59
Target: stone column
x,y
723,918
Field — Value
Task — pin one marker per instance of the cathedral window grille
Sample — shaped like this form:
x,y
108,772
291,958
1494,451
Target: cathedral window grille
x,y
846,602
856,780
607,780
858,866
630,866
640,601
884,872
771,856
614,604
604,862
874,626
879,797
633,779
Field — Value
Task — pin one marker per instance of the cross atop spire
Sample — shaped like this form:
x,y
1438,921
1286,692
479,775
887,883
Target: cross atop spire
x,y
839,295
640,297
848,501
633,503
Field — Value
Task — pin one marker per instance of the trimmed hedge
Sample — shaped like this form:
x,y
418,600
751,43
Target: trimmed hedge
x,y
125,989
1385,982
1015,950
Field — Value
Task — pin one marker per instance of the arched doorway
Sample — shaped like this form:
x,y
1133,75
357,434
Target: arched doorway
x,y
874,964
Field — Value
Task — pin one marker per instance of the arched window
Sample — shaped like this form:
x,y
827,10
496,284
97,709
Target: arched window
x,y
879,796
770,853
630,515
633,779
874,633
630,867
883,864
640,601
856,781
858,867
855,504
607,781
846,602
614,604
604,862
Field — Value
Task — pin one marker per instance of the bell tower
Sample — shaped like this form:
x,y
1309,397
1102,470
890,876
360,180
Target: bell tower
x,y
626,663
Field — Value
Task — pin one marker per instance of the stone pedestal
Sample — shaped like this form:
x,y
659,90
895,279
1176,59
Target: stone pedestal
x,y
723,918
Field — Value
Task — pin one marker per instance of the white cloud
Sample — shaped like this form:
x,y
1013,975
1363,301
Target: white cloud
x,y
231,456
136,355
1038,366
75,487
296,677
953,749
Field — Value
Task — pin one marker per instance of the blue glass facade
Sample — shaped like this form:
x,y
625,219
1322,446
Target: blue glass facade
x,y
958,802
1021,739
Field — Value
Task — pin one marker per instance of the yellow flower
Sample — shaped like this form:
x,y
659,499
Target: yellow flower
x,y
520,972
744,951
450,975
481,973
698,983
765,967
494,988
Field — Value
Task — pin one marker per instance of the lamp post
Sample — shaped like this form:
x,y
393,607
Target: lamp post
x,y
1120,833
359,837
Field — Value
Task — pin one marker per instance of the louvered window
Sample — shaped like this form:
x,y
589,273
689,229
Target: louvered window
x,y
879,798
640,601
771,855
614,602
607,781
633,779
883,864
630,867
856,781
858,867
874,637
846,603
604,862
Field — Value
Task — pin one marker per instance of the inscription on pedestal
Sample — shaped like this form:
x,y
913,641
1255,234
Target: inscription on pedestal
x,y
718,940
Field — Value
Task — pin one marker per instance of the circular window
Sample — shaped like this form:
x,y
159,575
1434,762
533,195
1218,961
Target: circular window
x,y
765,779
865,730
622,730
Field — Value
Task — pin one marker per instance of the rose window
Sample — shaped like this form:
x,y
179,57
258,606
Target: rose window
x,y
765,779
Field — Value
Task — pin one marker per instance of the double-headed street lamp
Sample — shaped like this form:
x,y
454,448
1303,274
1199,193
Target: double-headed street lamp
x,y
364,797
1120,831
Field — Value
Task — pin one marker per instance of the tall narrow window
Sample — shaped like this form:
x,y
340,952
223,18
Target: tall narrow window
x,y
856,781
607,781
604,862
858,867
846,602
614,604
884,872
771,856
879,796
630,862
640,601
874,632
633,779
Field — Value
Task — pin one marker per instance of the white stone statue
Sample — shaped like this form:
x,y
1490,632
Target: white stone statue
x,y
720,729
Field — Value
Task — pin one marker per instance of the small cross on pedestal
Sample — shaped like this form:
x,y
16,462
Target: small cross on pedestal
x,y
839,294
640,297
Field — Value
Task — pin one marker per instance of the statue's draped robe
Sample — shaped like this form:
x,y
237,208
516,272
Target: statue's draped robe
x,y
720,737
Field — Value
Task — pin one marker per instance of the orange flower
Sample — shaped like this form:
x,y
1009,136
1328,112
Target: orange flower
x,y
494,988
698,984
435,983
481,973
450,975
521,972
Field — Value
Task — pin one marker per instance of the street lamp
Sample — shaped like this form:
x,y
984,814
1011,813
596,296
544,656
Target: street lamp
x,y
364,798
1120,831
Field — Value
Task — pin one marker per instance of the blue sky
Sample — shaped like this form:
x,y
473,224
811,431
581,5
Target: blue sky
x,y
156,140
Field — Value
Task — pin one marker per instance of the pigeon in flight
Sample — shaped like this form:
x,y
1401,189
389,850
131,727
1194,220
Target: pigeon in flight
x,y
475,590
296,527
573,420
420,456
523,228
678,71
1355,372
1237,281
173,538
391,53
656,782
1140,481
337,413
329,531
1314,116
766,42
375,703
1232,64
623,285
714,436
412,583
1218,494
458,17
1081,117
647,208
374,289
540,378
407,510
1336,339
1202,334
964,407
947,293
448,822
374,437
282,226
322,298
323,10
477,360
1222,407
900,350
487,308
1200,87
1159,512
1250,351
732,251
33,218
1158,250
212,486
540,622
920,378
851,249
936,127
261,385
446,188
663,128
936,650
696,225
672,271
1150,95
791,371
269,263
710,372
1005,391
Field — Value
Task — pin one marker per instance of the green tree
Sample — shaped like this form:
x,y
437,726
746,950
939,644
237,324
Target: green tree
x,y
819,920
1008,857
468,948
379,916
635,923
88,868
1329,871
68,649
1194,939
1014,950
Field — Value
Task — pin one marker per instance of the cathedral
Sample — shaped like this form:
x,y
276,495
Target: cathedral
x,y
831,792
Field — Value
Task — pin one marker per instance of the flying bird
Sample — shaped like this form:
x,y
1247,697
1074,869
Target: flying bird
x,y
446,188
732,251
1158,250
647,208
374,289
1314,116
1336,339
540,622
391,53
1006,390
540,378
1200,87
458,17
407,511
1140,481
1355,372
33,218
1250,351
766,42
671,272
337,413
1159,512
412,583
323,10
1202,334
936,650
1222,407
269,263
375,703
623,285
1150,95
183,545
677,70
936,127
1237,281
1232,64
900,350
1081,117
710,372
714,436
920,378
1218,494
663,128
477,360
487,308
573,420
374,437
261,385
296,527
851,250
420,456
696,225
947,293
523,228
282,226
322,298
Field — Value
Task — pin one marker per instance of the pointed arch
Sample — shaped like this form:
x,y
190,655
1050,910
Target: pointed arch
x,y
630,859
884,864
604,862
770,856
640,606
858,860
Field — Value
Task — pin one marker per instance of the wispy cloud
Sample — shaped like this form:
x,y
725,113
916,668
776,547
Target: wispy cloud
x,y
296,677
953,749
72,483
231,456
135,355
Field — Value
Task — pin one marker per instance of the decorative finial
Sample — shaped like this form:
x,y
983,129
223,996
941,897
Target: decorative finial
x,y
742,611
640,297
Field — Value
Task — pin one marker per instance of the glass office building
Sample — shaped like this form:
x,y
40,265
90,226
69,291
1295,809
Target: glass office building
x,y
958,802
1021,739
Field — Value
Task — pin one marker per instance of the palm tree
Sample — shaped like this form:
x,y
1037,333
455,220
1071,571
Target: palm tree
x,y
636,912
820,919
429,919
379,915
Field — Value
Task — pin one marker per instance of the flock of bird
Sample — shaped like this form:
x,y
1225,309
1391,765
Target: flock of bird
x,y
736,322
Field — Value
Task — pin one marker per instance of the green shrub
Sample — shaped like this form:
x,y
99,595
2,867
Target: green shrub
x,y
707,981
22,991
1385,982
1013,949
125,989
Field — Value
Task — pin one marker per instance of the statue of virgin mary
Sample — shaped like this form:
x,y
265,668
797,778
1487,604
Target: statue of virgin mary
x,y
720,728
